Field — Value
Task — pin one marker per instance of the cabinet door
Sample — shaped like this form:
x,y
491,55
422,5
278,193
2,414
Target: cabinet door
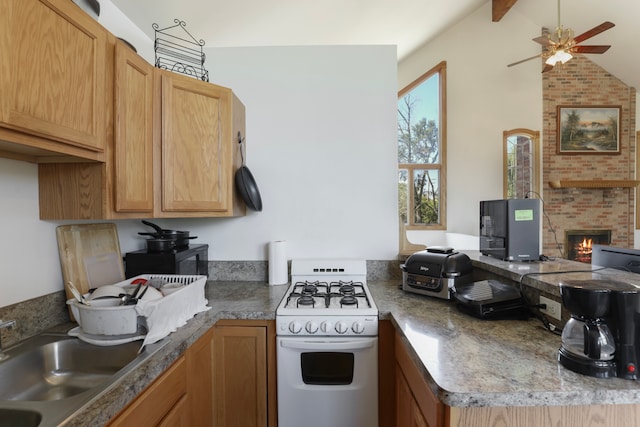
x,y
408,412
178,416
200,381
417,419
424,408
196,152
240,376
52,72
133,136
158,400
404,400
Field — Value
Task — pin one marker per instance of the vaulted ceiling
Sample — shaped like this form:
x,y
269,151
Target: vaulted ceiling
x,y
405,23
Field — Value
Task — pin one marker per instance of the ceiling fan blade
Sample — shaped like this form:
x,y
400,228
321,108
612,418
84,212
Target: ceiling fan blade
x,y
547,67
590,49
543,40
523,60
594,31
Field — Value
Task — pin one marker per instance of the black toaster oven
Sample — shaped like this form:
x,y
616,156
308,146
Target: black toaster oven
x,y
435,271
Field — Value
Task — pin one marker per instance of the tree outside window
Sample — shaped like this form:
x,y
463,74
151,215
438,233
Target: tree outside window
x,y
421,152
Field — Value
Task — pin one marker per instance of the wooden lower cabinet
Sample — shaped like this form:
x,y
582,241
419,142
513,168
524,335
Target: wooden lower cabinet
x,y
226,378
416,405
244,373
408,411
163,403
535,416
178,416
199,357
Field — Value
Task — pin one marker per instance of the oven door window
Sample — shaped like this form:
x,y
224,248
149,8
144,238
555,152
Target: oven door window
x,y
327,368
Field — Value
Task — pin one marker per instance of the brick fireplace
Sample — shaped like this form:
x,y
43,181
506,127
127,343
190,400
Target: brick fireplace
x,y
579,243
582,204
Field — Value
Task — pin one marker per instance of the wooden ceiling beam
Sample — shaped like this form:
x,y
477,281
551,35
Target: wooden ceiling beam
x,y
499,8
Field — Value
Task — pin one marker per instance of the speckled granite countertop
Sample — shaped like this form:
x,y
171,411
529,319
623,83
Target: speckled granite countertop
x,y
228,300
472,362
467,362
545,276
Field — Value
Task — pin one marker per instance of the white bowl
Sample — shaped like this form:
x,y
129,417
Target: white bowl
x,y
106,302
105,291
109,320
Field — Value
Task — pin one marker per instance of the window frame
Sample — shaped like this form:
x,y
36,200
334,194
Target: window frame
x,y
534,137
441,70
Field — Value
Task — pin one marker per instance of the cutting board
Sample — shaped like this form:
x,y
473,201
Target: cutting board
x,y
89,255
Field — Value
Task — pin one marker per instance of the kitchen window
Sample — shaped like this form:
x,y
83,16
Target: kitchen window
x,y
521,164
421,151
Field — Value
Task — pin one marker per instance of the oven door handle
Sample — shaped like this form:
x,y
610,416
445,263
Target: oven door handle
x,y
328,344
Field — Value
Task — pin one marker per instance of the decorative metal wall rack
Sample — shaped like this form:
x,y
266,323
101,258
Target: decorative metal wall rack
x,y
177,53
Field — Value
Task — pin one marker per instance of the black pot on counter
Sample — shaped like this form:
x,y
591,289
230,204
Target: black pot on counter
x,y
160,245
166,240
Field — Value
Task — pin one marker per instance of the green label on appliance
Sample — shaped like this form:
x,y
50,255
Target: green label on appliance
x,y
524,214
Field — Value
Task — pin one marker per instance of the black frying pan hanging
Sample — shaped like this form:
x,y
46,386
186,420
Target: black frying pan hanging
x,y
246,184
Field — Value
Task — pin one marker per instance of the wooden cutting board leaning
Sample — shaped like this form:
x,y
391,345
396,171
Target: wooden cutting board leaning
x,y
89,256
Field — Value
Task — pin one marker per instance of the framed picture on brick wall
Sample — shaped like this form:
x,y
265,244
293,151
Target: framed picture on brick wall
x,y
588,129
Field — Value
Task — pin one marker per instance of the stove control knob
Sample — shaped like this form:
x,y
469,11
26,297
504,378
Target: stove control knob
x,y
357,327
311,327
326,327
295,327
342,327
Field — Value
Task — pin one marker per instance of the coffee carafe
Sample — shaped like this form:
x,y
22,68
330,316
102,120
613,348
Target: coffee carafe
x,y
590,338
601,338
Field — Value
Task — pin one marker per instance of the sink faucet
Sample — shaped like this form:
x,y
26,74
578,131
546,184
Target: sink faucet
x,y
8,324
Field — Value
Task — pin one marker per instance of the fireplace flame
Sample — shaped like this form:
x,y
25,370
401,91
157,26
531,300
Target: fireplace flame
x,y
586,244
580,243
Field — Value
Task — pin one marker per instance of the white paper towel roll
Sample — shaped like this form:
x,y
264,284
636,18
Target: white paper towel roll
x,y
278,270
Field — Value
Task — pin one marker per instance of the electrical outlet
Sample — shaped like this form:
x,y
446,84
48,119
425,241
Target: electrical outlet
x,y
553,308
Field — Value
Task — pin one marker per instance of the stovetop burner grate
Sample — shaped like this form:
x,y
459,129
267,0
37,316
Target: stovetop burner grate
x,y
310,293
327,297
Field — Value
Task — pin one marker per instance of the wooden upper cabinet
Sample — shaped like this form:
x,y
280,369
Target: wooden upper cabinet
x,y
52,72
196,145
133,132
172,147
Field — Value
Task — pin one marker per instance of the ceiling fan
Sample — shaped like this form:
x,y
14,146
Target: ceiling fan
x,y
561,45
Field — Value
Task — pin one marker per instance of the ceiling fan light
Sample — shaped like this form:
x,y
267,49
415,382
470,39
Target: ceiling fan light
x,y
559,56
564,56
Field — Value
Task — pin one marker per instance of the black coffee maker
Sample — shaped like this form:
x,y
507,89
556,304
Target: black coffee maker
x,y
602,337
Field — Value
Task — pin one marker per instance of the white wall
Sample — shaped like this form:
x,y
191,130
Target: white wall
x,y
29,263
484,98
321,130
119,25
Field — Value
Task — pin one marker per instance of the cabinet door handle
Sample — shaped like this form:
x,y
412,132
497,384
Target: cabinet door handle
x,y
327,345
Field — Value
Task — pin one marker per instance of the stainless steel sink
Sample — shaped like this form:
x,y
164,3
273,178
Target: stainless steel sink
x,y
19,417
50,368
47,378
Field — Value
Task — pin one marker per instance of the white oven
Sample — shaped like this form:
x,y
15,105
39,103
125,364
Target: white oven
x,y
327,347
327,382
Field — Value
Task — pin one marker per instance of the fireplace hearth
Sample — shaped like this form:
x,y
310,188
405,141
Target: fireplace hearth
x,y
579,243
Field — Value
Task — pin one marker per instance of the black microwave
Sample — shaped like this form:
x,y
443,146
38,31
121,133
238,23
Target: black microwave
x,y
187,261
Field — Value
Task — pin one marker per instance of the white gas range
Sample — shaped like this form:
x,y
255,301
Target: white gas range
x,y
327,336
327,298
